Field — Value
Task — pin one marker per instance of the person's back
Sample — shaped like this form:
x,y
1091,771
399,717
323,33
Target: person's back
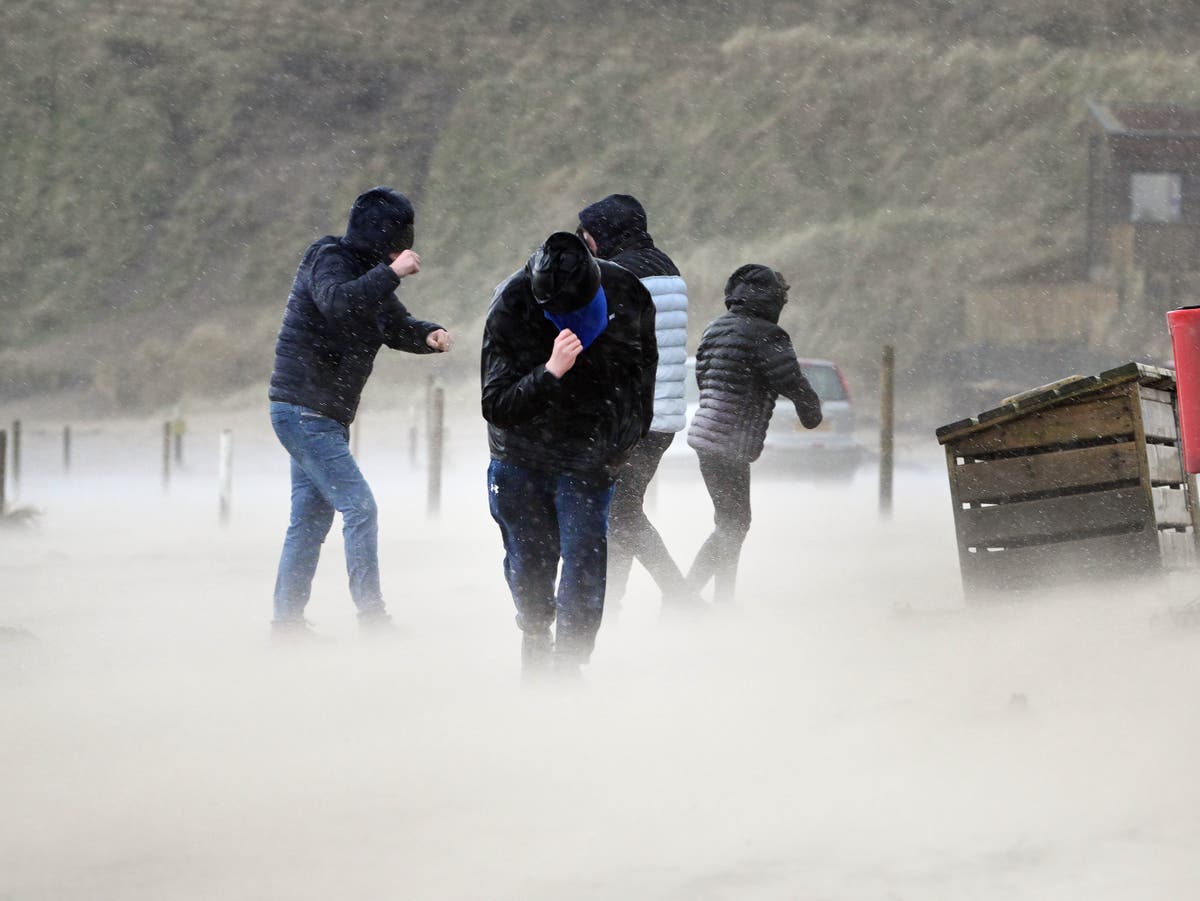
x,y
615,228
744,362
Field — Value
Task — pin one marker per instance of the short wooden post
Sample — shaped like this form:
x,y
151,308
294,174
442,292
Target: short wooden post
x,y
16,456
166,453
66,448
178,429
436,437
412,445
3,467
225,475
887,379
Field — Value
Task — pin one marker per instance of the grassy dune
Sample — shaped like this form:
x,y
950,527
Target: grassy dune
x,y
164,163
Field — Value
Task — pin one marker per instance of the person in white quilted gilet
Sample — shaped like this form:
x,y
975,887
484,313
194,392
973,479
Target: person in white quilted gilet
x,y
615,229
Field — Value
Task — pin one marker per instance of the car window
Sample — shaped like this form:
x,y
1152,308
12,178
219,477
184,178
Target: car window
x,y
825,380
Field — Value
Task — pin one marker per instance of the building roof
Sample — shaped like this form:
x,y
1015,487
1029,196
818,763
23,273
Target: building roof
x,y
1146,119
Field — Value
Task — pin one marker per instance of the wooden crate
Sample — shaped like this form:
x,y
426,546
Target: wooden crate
x,y
1082,480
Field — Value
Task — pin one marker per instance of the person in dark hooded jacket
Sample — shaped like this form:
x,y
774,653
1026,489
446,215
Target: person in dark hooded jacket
x,y
567,370
744,362
615,228
342,308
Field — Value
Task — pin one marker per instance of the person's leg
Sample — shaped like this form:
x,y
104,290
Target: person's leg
x,y
733,523
583,508
728,485
522,504
630,532
310,520
321,447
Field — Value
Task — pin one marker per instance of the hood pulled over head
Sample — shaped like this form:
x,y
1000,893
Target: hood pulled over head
x,y
381,223
563,274
758,290
615,222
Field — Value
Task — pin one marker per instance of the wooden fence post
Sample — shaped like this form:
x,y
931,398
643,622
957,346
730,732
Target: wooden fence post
x,y
887,378
66,448
225,475
436,438
166,453
16,457
3,467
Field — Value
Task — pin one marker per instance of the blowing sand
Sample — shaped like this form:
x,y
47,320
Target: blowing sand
x,y
850,730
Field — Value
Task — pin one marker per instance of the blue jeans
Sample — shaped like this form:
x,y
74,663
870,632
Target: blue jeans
x,y
325,479
545,517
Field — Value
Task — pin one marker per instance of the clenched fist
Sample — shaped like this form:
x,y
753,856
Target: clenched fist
x,y
567,347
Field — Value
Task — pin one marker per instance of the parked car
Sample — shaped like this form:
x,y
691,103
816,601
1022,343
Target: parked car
x,y
829,449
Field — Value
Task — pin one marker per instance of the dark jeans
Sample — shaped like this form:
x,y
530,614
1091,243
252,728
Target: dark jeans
x,y
325,479
545,517
630,532
728,484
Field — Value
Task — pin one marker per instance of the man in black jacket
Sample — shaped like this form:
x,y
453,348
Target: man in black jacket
x,y
744,362
615,229
568,389
342,308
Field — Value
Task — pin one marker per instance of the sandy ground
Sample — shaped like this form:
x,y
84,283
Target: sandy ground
x,y
851,730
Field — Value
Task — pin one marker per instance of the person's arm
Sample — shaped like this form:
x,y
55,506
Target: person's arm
x,y
340,295
401,330
783,374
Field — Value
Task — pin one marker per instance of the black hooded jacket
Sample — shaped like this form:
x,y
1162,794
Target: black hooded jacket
x,y
586,422
744,362
343,307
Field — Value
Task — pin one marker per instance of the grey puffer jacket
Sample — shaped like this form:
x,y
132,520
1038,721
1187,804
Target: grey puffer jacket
x,y
744,362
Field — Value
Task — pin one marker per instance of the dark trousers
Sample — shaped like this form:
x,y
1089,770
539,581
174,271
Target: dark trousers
x,y
630,532
728,483
545,517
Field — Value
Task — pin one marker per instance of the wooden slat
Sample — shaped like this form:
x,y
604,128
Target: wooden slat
x,y
1171,508
1047,519
1159,420
1104,557
1178,548
1106,417
1166,467
1156,394
999,480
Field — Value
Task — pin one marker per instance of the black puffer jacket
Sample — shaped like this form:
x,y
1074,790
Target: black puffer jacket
x,y
587,422
343,308
744,362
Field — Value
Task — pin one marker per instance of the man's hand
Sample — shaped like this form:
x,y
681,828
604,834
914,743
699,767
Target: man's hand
x,y
440,340
406,263
566,348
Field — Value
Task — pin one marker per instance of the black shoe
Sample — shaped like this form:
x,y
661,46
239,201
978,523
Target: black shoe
x,y
683,605
377,623
293,630
537,652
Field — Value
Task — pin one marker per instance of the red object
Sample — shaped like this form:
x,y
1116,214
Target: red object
x,y
1185,342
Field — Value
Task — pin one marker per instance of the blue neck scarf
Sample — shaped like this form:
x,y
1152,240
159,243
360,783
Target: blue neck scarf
x,y
587,322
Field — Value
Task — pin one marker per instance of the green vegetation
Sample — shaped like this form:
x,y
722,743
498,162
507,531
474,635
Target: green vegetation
x,y
165,163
